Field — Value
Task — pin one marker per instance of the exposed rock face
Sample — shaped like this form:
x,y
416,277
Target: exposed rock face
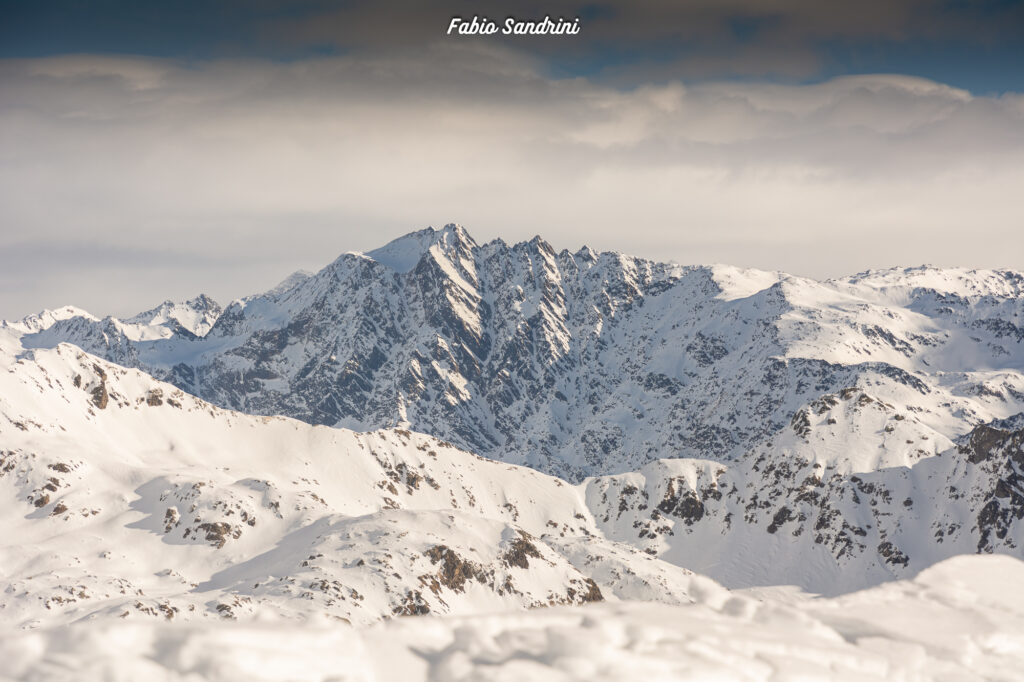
x,y
998,454
591,363
521,551
454,571
863,426
100,397
259,515
396,522
857,528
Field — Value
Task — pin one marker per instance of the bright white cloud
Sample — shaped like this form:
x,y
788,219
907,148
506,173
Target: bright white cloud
x,y
224,176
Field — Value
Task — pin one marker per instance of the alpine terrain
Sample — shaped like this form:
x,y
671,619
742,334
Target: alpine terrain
x,y
676,459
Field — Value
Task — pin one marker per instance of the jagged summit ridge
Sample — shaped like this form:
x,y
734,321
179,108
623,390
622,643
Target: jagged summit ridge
x,y
588,363
853,430
402,254
195,316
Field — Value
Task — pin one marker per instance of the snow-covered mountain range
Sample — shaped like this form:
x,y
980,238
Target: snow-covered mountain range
x,y
123,495
530,428
593,363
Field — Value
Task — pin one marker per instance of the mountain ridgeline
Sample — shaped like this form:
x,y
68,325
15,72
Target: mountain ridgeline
x,y
755,427
589,363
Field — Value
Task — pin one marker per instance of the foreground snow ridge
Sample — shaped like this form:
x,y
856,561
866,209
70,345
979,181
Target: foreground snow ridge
x,y
961,620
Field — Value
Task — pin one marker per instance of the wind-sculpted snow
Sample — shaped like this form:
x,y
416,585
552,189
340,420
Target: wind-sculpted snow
x,y
591,363
961,620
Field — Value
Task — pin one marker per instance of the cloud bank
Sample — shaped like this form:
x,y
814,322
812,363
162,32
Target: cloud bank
x,y
124,179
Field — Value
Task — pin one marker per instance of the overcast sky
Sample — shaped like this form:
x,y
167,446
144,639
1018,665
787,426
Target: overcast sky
x,y
149,154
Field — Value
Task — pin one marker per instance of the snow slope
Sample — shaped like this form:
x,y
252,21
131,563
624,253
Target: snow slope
x,y
961,620
775,518
131,484
759,429
728,414
122,496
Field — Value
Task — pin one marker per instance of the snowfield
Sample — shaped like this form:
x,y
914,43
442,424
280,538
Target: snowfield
x,y
446,461
960,620
122,496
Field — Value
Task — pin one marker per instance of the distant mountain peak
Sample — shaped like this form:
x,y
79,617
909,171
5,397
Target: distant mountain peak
x,y
195,316
700,408
45,319
402,254
290,282
573,363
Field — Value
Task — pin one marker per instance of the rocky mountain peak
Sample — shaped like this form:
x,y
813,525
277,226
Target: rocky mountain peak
x,y
451,242
195,316
867,423
596,363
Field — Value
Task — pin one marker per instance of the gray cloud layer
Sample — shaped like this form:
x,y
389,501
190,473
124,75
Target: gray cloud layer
x,y
643,40
125,180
